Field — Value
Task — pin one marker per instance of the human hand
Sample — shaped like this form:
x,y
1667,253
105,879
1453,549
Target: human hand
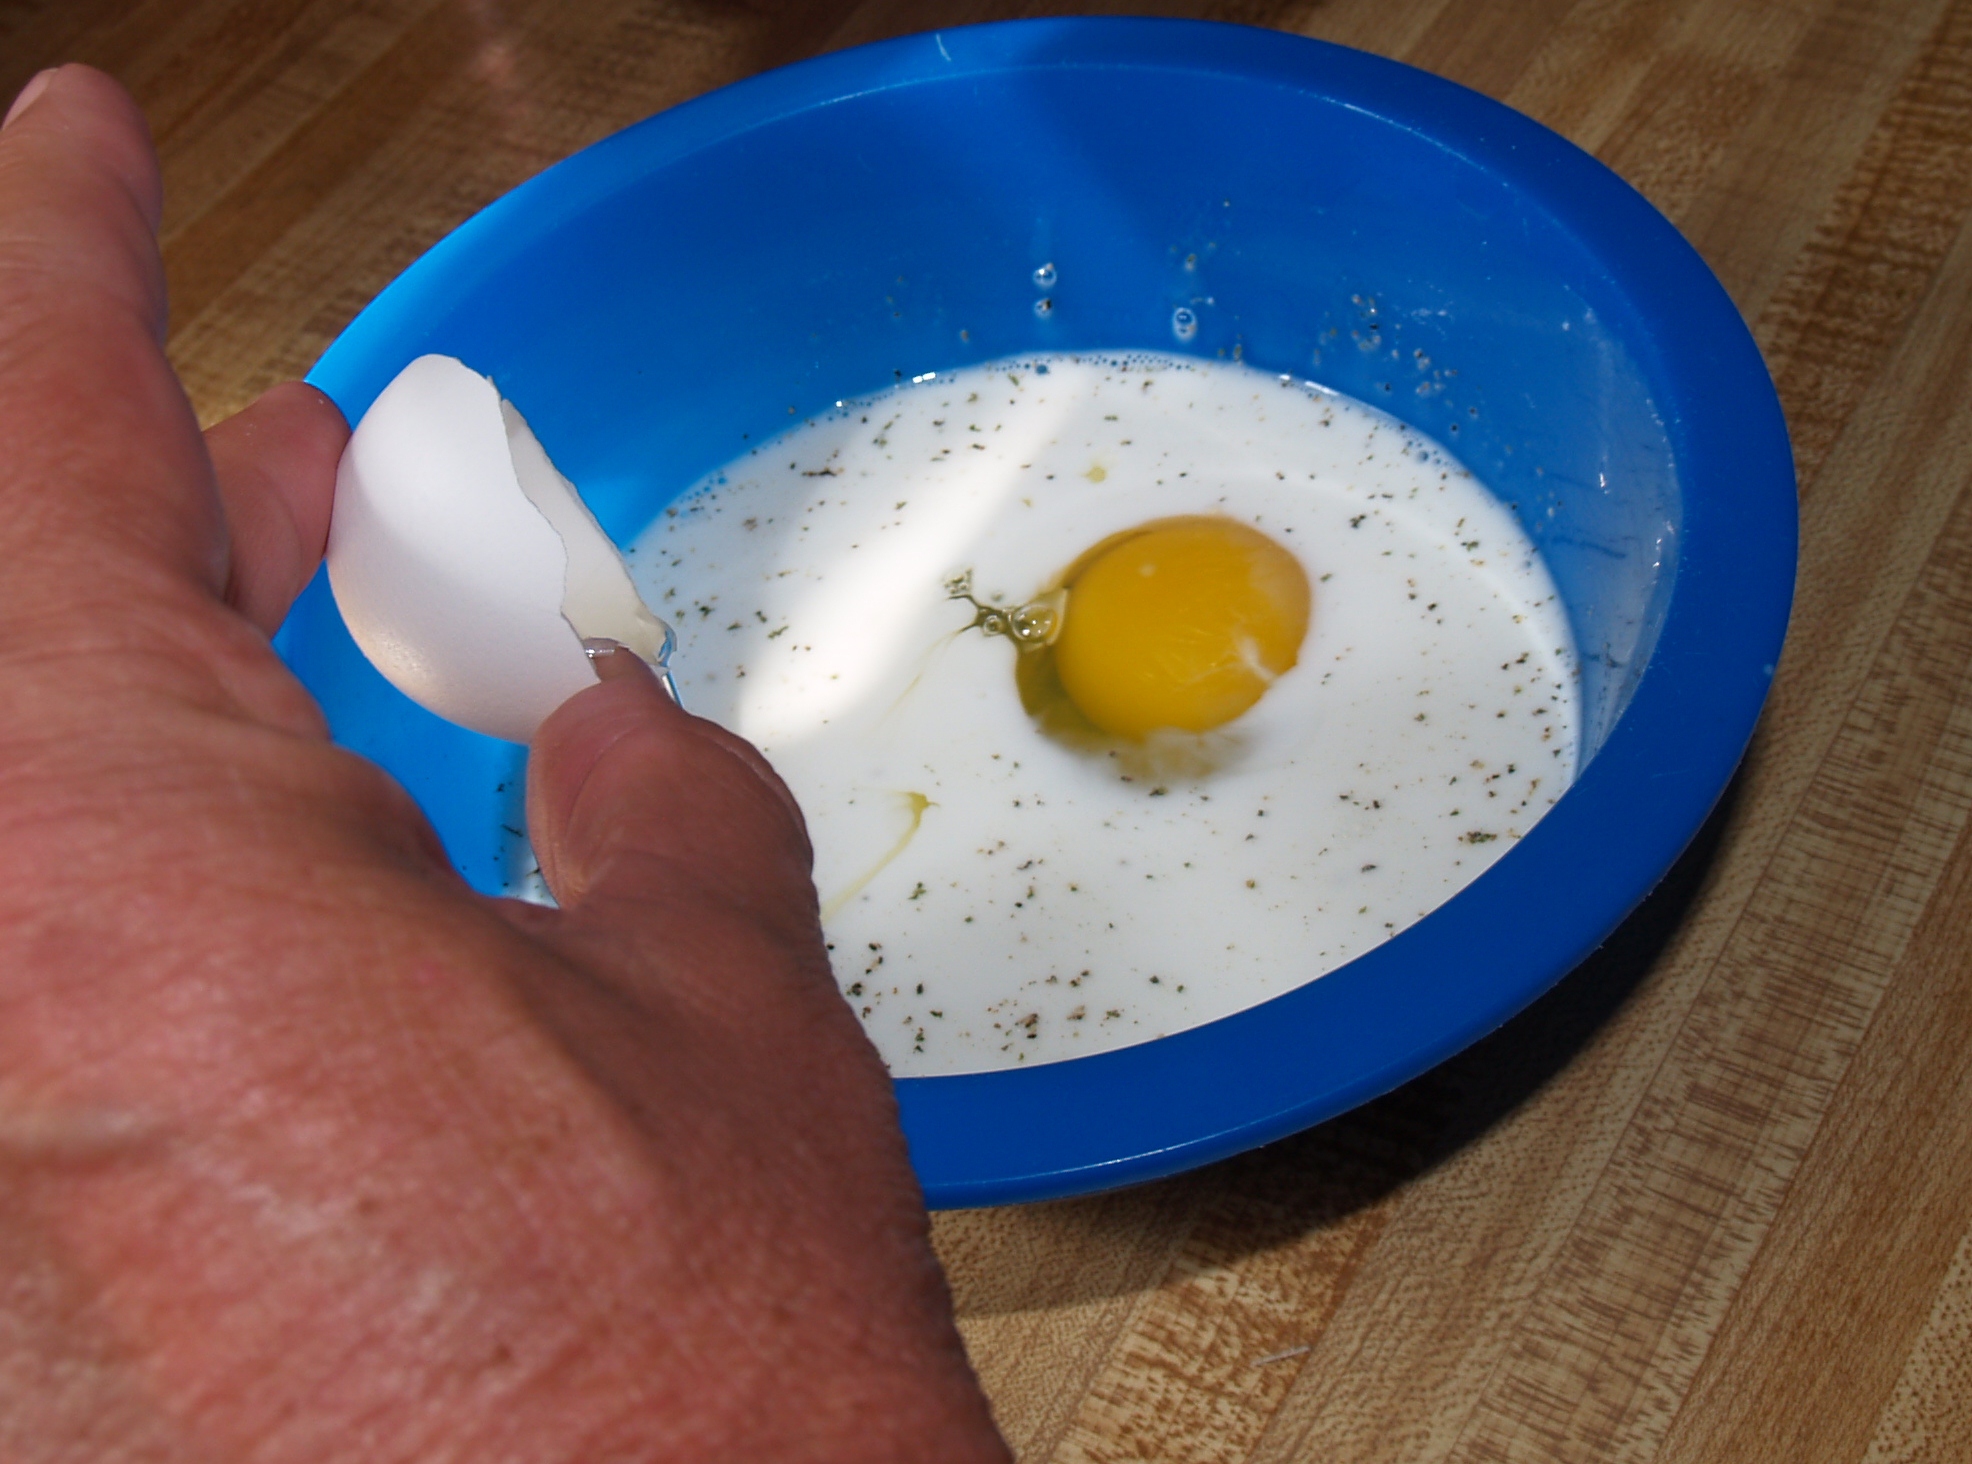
x,y
306,1150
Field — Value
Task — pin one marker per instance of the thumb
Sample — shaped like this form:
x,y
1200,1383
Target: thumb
x,y
633,802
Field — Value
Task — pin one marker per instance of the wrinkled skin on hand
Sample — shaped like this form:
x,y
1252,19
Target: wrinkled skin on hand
x,y
307,1151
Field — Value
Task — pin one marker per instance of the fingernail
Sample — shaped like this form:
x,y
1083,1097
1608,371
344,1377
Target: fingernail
x,y
613,660
30,93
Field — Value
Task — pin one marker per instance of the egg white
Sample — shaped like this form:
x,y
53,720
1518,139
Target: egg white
x,y
993,898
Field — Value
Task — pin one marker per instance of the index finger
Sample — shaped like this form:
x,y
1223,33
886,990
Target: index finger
x,y
105,483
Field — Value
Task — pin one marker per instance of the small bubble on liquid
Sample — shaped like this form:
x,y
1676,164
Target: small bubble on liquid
x,y
1044,308
1044,277
1184,323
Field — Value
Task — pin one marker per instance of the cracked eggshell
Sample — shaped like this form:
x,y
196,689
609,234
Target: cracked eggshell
x,y
465,566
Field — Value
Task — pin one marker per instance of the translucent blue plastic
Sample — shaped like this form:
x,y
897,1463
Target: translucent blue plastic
x,y
669,297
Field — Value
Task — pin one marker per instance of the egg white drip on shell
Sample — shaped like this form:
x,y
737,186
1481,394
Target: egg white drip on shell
x,y
466,567
995,898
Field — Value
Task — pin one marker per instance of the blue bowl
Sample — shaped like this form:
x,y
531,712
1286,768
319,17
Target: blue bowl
x,y
670,296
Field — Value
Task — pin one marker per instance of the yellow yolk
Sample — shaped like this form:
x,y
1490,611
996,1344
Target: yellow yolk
x,y
1180,623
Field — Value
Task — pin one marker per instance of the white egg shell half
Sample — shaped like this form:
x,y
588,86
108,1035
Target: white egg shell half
x,y
465,566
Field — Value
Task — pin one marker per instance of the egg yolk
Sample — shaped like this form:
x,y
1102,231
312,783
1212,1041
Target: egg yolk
x,y
1180,623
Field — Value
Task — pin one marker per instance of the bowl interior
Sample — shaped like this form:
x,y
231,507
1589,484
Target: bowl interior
x,y
676,294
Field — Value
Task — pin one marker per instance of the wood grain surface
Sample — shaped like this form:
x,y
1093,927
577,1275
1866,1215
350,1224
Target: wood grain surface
x,y
1711,1200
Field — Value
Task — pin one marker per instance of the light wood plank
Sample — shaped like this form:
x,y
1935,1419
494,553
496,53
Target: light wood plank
x,y
1929,1416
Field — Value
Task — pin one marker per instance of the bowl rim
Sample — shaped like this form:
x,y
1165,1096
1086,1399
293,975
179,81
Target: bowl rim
x,y
1186,1099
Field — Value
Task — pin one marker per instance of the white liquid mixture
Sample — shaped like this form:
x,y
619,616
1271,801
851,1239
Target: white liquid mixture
x,y
993,897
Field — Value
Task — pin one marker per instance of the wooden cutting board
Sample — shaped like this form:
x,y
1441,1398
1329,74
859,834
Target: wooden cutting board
x,y
1709,1201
